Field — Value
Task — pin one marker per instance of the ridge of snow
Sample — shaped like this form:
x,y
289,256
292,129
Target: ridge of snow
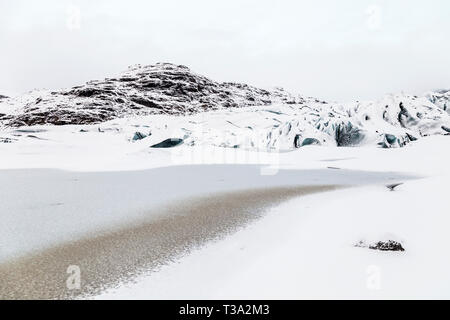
x,y
174,102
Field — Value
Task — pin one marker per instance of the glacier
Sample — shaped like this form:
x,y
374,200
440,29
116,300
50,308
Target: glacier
x,y
174,102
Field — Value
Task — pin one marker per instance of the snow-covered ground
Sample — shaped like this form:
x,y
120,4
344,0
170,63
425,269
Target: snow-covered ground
x,y
90,194
304,249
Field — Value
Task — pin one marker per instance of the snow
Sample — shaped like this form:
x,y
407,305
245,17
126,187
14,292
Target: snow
x,y
169,99
304,249
68,205
61,184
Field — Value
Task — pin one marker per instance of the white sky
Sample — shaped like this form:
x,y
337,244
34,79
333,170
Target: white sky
x,y
337,50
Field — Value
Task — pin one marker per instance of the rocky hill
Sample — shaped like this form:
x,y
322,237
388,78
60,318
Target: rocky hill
x,y
244,117
142,90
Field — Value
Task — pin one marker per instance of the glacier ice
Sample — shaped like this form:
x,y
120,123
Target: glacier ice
x,y
231,114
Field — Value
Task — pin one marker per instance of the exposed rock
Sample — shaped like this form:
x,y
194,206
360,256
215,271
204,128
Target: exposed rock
x,y
163,88
5,140
411,137
310,141
169,143
139,136
389,245
297,141
393,186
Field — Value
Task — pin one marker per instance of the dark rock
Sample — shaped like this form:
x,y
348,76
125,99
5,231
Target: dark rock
x,y
411,137
297,141
446,129
139,136
393,186
58,116
310,141
5,140
146,103
163,88
389,245
169,143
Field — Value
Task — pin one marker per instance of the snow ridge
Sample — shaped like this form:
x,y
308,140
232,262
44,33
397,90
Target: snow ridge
x,y
232,115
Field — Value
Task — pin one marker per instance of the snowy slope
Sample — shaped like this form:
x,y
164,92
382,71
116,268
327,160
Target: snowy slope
x,y
306,248
167,116
170,101
158,89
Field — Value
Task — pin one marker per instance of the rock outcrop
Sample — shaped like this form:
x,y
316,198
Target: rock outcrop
x,y
388,245
142,90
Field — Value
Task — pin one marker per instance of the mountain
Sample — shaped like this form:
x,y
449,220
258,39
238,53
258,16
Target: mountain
x,y
142,90
233,115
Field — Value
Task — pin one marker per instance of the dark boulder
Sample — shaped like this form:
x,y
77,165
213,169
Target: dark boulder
x,y
393,186
389,245
139,136
411,137
5,140
447,129
310,141
297,141
169,143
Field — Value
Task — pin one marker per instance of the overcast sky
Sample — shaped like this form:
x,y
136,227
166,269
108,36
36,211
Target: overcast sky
x,y
336,50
